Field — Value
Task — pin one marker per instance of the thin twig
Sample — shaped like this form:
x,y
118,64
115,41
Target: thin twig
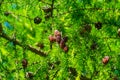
x,y
52,6
17,42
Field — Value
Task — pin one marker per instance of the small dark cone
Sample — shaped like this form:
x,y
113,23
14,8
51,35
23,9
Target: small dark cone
x,y
6,13
93,46
65,49
57,33
37,20
72,71
58,39
98,25
105,60
52,38
62,44
24,63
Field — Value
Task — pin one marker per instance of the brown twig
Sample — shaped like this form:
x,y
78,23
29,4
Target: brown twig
x,y
52,6
17,42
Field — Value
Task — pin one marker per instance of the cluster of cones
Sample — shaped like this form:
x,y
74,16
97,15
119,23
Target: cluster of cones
x,y
58,38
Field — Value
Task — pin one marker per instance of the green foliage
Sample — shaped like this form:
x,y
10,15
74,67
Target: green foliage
x,y
87,46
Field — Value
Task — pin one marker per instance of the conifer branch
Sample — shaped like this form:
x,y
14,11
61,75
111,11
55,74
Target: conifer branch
x,y
17,42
